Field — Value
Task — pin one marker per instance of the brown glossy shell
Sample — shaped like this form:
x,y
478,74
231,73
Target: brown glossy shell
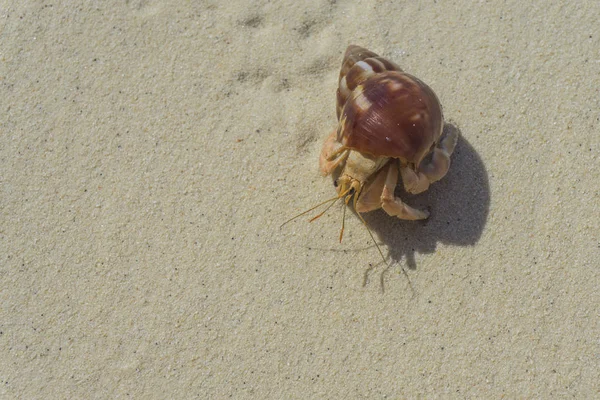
x,y
384,111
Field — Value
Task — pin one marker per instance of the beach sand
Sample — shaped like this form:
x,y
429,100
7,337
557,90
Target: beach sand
x,y
150,151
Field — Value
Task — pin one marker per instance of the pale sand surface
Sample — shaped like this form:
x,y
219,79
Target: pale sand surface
x,y
150,150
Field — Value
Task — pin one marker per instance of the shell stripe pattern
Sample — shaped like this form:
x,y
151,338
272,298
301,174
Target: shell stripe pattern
x,y
384,111
358,65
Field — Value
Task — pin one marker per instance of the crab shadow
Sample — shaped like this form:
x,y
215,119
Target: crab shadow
x,y
459,206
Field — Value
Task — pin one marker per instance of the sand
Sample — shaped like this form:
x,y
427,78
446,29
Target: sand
x,y
150,151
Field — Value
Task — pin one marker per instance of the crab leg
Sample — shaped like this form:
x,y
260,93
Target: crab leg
x,y
370,197
380,194
439,164
332,155
414,182
394,205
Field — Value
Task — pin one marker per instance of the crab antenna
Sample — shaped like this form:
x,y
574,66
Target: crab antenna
x,y
329,206
372,237
324,211
347,194
380,252
310,209
343,220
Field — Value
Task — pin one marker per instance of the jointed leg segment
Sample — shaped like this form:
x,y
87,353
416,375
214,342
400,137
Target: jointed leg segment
x,y
394,205
380,194
439,164
332,155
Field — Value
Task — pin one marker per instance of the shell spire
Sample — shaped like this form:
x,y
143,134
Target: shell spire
x,y
358,64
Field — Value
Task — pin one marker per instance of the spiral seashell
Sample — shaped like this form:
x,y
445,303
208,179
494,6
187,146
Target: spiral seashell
x,y
384,111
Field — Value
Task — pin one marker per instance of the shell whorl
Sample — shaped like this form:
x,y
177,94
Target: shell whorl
x,y
358,65
384,111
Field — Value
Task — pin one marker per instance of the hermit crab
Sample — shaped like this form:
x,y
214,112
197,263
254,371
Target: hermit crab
x,y
389,125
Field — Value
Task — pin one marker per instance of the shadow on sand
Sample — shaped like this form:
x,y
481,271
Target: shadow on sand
x,y
459,206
